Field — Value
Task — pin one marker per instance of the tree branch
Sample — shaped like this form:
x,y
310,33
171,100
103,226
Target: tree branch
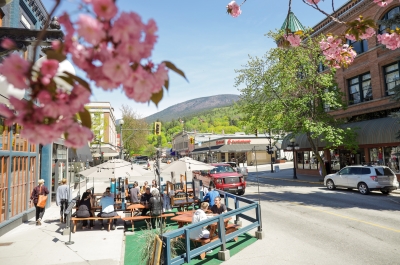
x,y
316,7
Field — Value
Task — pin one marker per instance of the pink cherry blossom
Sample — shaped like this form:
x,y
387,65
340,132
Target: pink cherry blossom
x,y
8,44
117,69
78,136
105,8
337,54
15,68
293,39
391,41
234,9
90,29
369,32
382,3
49,67
313,1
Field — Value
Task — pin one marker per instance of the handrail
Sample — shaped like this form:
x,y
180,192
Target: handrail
x,y
255,222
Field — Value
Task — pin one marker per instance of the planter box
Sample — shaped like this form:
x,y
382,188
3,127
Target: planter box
x,y
278,161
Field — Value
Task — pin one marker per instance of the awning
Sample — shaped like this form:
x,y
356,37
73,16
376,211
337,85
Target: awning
x,y
107,152
377,131
82,154
204,150
242,148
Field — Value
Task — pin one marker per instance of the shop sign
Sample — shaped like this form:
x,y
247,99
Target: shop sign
x,y
219,142
230,141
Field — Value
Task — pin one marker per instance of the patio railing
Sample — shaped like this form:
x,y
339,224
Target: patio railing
x,y
242,210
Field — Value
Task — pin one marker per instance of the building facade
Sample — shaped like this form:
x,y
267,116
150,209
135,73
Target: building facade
x,y
104,146
20,160
366,85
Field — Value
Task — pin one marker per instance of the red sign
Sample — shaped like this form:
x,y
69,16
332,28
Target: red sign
x,y
219,142
230,141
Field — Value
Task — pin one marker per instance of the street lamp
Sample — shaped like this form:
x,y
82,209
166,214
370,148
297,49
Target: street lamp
x,y
209,149
121,122
293,146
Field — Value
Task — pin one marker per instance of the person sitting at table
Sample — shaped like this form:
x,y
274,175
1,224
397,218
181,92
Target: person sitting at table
x,y
155,205
145,199
198,216
108,189
218,207
211,195
134,193
85,210
144,187
153,185
107,208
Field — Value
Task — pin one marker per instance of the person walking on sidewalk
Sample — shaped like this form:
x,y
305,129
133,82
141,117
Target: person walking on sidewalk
x,y
40,189
63,197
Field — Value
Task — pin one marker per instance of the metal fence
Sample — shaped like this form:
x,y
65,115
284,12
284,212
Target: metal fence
x,y
242,208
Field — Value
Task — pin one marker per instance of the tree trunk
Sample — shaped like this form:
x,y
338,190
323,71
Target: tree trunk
x,y
314,148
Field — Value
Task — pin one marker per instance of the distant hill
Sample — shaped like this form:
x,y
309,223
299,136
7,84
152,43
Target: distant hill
x,y
193,106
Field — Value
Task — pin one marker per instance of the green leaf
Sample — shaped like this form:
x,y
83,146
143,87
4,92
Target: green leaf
x,y
79,80
172,67
52,54
67,79
166,84
86,118
156,97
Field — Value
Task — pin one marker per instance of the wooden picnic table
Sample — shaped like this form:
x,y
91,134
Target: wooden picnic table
x,y
134,206
187,219
181,203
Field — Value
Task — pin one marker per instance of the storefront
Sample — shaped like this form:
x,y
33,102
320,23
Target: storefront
x,y
377,145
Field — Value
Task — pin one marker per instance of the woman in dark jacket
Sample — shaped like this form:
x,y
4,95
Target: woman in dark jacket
x,y
85,209
40,189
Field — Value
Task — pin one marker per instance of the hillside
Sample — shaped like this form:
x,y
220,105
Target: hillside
x,y
193,106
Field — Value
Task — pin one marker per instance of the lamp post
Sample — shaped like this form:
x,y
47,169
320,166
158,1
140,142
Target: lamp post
x,y
293,146
121,122
209,149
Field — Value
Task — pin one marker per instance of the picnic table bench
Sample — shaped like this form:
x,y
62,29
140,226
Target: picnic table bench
x,y
145,217
75,220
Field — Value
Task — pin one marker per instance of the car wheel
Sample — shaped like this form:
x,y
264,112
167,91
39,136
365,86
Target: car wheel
x,y
330,185
386,192
240,193
363,188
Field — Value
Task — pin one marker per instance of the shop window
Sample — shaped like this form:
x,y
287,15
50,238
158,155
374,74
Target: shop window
x,y
392,77
389,15
360,89
360,46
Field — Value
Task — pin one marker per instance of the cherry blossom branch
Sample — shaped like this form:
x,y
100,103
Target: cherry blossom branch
x,y
43,32
333,6
316,7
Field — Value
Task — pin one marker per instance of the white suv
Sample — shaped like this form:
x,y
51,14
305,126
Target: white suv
x,y
363,178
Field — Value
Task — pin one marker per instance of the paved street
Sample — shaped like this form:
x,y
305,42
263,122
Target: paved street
x,y
304,223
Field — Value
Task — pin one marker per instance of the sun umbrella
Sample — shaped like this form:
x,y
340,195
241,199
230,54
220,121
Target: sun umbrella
x,y
185,164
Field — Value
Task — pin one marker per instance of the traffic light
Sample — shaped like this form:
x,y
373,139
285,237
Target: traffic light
x,y
256,133
191,140
269,150
157,128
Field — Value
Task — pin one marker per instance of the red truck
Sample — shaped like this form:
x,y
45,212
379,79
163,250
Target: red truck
x,y
225,178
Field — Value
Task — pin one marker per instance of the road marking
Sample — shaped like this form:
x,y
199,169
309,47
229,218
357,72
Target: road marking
x,y
338,215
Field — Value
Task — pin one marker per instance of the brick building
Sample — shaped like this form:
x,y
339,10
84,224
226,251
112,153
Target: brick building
x,y
366,84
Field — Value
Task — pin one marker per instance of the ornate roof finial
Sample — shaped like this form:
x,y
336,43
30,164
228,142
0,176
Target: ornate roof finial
x,y
54,24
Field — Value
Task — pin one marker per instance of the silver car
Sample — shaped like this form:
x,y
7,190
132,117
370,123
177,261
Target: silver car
x,y
363,178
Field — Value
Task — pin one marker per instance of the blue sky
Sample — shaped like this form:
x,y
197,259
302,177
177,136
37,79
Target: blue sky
x,y
205,42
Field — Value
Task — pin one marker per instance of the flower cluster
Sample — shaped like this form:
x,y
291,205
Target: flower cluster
x,y
113,51
360,29
382,3
336,53
55,114
391,40
293,39
313,1
233,9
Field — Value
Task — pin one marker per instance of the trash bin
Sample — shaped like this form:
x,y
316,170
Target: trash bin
x,y
276,168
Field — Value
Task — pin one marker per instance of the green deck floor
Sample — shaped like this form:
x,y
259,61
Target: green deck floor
x,y
132,249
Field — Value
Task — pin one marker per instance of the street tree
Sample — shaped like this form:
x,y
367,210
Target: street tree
x,y
286,90
135,130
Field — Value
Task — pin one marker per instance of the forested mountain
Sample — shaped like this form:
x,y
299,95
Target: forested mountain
x,y
193,106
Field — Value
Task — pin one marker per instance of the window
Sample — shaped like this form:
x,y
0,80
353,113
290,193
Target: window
x,y
391,77
359,46
321,67
389,15
360,89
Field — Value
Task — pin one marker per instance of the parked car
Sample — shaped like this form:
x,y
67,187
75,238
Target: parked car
x,y
142,163
241,170
363,178
225,178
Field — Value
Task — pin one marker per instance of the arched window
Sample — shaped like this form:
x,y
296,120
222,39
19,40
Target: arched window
x,y
387,16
